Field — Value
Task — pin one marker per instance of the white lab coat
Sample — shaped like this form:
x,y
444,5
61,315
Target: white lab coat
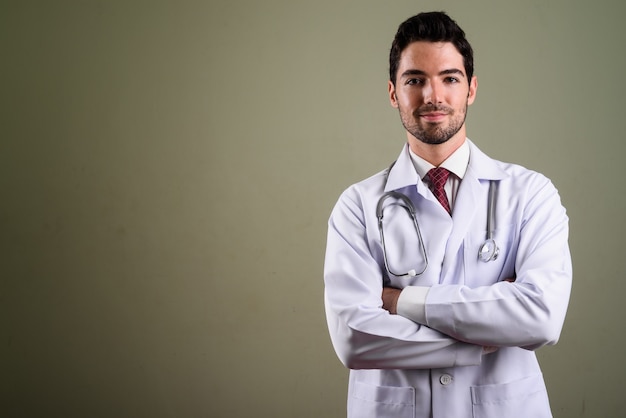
x,y
400,368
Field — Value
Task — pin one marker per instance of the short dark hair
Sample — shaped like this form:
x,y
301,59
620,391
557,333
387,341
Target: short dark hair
x,y
430,27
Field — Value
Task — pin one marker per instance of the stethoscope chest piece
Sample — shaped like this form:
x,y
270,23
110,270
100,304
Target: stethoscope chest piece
x,y
488,251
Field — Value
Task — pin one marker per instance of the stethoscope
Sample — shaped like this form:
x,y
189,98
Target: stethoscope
x,y
488,251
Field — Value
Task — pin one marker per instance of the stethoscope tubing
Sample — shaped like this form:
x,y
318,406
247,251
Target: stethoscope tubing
x,y
487,252
491,210
410,208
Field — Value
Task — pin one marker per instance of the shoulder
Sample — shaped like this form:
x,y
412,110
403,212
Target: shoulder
x,y
366,187
530,192
486,167
360,198
520,186
526,182
520,174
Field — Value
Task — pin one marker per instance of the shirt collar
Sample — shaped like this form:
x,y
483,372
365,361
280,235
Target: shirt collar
x,y
403,172
456,163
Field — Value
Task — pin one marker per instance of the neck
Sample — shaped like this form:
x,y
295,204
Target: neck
x,y
436,153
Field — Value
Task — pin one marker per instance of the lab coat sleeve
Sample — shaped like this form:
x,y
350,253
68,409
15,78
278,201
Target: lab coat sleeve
x,y
364,335
529,312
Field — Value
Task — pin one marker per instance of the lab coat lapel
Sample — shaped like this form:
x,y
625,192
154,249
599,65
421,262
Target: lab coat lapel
x,y
402,172
463,215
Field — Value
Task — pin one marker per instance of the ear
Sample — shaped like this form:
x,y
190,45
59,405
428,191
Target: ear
x,y
473,87
392,94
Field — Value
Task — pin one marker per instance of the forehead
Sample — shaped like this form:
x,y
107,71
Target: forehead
x,y
430,57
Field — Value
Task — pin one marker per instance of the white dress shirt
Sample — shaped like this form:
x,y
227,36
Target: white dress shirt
x,y
455,164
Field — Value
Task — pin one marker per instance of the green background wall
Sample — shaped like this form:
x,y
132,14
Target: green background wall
x,y
167,170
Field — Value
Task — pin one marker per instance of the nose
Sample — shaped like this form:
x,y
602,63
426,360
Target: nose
x,y
432,93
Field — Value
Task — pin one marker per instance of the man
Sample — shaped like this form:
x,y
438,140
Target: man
x,y
438,321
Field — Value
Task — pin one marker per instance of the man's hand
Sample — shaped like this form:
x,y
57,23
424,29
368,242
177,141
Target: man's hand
x,y
390,299
489,349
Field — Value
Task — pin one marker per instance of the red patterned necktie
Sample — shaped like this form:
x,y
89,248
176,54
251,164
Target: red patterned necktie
x,y
438,177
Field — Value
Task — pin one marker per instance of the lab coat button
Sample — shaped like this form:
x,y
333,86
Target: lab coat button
x,y
445,379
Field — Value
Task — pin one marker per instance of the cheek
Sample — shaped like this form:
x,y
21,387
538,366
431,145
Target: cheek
x,y
409,101
466,98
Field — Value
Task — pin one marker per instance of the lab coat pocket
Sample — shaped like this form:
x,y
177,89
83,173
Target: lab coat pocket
x,y
381,401
527,397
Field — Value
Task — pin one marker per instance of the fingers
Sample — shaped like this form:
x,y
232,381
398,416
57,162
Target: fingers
x,y
489,350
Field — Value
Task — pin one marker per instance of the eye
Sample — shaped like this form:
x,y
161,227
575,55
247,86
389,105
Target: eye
x,y
414,82
451,80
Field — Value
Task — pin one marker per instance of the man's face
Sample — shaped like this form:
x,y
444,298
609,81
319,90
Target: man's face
x,y
432,92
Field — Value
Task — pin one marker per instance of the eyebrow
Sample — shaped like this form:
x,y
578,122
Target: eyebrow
x,y
449,71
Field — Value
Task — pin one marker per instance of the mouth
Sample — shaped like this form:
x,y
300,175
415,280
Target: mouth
x,y
433,116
